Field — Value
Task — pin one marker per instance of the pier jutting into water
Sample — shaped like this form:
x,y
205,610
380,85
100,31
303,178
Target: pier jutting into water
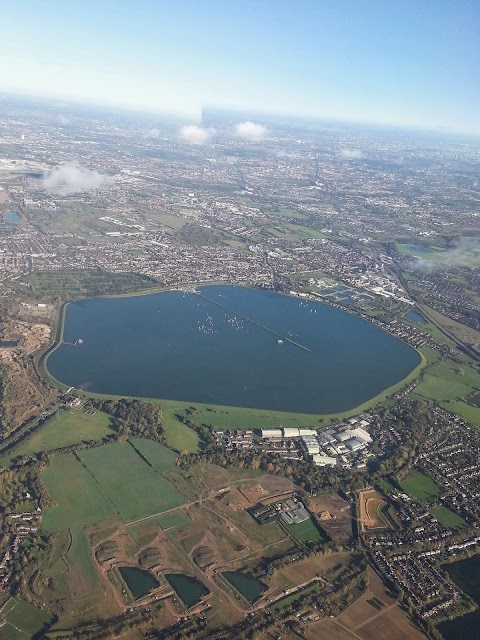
x,y
257,324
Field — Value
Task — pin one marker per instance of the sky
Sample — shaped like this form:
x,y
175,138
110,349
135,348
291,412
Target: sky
x,y
407,62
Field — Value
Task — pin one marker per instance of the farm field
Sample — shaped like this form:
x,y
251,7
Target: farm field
x,y
68,427
449,518
300,572
420,487
133,487
78,501
375,615
161,458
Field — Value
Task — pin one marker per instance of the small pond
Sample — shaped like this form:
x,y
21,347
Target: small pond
x,y
8,343
413,316
249,587
12,217
138,581
189,589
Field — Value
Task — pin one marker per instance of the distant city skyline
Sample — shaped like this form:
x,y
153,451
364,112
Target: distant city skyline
x,y
410,63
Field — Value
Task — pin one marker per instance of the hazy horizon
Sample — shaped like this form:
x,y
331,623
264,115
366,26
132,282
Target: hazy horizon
x,y
413,65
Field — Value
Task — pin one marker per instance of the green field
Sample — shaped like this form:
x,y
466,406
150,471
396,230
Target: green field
x,y
436,388
306,531
161,458
79,500
130,483
467,411
449,518
420,487
24,620
69,427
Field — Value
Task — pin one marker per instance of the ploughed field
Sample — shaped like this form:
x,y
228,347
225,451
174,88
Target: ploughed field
x,y
229,346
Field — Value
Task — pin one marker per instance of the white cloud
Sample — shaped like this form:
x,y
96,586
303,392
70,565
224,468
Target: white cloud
x,y
73,178
351,154
153,133
193,134
250,131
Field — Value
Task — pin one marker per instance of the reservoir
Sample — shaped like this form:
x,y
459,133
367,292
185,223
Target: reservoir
x,y
466,573
188,589
248,586
138,581
230,346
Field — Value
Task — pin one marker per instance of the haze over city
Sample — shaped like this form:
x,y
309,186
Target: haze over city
x,y
408,63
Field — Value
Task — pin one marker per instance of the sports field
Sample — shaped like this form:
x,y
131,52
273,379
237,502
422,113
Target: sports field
x,y
306,531
130,483
420,487
23,620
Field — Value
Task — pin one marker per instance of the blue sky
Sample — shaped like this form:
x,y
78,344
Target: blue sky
x,y
414,62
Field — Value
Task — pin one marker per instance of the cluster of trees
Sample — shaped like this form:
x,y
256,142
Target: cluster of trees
x,y
413,419
267,565
5,422
19,488
54,286
133,417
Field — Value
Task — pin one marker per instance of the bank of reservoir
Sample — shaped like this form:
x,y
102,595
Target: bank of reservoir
x,y
230,346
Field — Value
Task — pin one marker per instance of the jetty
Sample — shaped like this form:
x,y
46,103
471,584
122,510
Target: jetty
x,y
279,336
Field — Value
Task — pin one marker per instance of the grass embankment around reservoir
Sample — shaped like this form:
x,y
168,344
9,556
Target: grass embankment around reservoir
x,y
181,438
65,428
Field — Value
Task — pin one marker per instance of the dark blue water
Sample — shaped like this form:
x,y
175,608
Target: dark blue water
x,y
248,586
189,589
466,573
8,343
139,582
183,347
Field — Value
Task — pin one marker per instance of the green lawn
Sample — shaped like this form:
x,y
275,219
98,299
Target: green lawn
x,y
449,518
420,487
79,500
71,426
129,482
306,531
27,618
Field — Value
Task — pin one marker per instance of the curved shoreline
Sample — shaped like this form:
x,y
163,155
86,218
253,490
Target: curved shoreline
x,y
368,404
